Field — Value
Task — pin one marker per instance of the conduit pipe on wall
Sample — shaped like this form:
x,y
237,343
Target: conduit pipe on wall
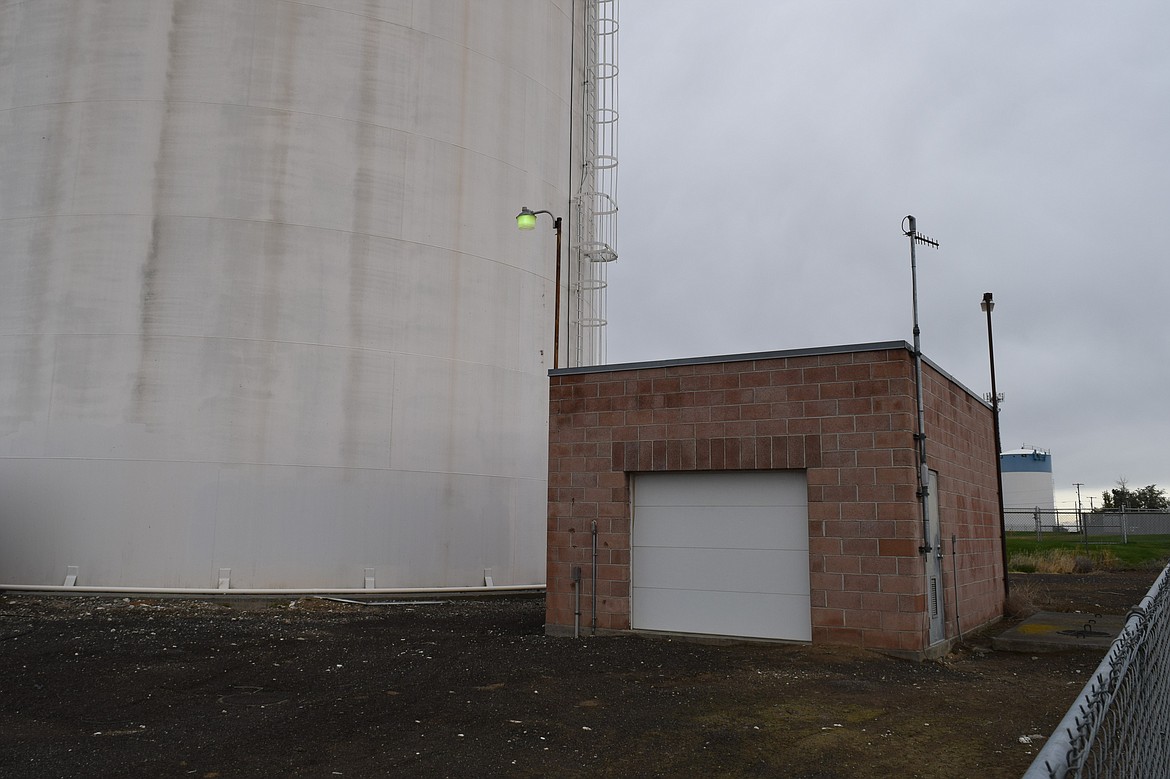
x,y
593,531
955,576
575,577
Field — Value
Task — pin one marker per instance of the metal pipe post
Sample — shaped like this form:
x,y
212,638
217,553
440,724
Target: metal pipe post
x,y
593,587
557,299
920,437
988,304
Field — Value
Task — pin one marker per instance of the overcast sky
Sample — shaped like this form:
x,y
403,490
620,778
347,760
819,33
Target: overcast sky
x,y
769,151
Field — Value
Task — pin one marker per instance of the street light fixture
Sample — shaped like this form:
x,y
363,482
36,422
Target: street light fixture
x,y
987,304
526,220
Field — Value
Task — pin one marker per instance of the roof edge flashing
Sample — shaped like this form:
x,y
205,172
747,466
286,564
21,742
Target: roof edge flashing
x,y
742,357
876,346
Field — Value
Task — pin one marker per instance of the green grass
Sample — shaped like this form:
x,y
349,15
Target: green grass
x,y
1106,552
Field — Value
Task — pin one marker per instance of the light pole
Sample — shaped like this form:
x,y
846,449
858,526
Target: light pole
x,y
526,220
987,304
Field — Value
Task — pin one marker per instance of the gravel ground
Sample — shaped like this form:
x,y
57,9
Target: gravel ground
x,y
115,687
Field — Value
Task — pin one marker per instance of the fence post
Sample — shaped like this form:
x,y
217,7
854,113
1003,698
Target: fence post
x,y
1036,519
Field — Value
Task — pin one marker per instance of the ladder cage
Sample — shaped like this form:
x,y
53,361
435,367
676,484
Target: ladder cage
x,y
594,243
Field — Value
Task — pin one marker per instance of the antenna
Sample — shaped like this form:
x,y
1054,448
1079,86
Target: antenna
x,y
914,235
910,229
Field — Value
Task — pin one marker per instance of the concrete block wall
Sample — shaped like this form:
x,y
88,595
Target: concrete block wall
x,y
845,416
960,438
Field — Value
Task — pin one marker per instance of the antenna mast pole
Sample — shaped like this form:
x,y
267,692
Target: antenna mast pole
x,y
909,228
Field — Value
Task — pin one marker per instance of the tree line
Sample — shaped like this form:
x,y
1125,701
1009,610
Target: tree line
x,y
1122,497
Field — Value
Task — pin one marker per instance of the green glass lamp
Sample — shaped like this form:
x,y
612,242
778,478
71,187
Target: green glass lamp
x,y
526,219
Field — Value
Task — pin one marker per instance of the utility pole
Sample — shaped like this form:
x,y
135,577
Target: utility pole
x,y
1080,520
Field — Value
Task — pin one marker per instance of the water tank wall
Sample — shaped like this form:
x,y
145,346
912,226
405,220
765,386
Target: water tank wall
x,y
1027,480
265,307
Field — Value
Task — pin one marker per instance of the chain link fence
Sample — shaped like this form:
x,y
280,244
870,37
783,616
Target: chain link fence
x,y
1107,526
1120,725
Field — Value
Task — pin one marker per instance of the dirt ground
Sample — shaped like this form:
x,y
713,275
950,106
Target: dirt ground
x,y
114,687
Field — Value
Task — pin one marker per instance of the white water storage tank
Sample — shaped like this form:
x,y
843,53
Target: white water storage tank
x,y
265,313
1027,479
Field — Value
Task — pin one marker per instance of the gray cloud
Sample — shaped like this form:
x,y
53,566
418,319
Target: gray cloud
x,y
770,150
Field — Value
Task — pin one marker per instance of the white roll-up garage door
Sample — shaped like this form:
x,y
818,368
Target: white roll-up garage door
x,y
721,553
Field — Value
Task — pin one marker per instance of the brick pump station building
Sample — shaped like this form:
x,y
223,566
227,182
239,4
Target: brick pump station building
x,y
773,496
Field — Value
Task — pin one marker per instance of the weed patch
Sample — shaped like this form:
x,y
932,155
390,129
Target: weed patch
x,y
1021,600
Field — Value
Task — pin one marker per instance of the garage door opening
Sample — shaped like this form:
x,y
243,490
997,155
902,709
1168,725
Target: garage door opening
x,y
721,553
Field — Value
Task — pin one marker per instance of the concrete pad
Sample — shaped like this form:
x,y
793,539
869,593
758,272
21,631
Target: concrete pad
x,y
1051,631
